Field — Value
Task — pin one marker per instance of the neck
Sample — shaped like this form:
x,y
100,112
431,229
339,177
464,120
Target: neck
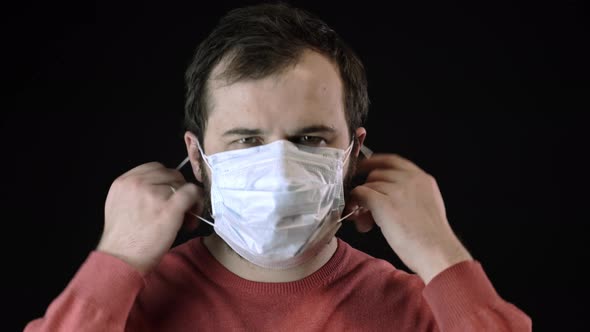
x,y
244,269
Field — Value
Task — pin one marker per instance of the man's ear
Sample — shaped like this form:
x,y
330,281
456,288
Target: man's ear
x,y
360,134
194,154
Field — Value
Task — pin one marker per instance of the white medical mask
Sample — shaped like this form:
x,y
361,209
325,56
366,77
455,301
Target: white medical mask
x,y
276,204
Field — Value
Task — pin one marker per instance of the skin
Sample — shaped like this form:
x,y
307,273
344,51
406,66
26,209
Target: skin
x,y
303,104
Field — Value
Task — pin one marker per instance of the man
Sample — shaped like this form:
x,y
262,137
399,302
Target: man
x,y
274,112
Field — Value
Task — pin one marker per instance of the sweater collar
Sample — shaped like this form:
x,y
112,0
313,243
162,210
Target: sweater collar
x,y
220,275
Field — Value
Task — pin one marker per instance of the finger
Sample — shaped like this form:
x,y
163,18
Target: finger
x,y
191,222
367,197
386,175
388,161
163,176
382,187
143,168
164,190
364,222
183,200
350,206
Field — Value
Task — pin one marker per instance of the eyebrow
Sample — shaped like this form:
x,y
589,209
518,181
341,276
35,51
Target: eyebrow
x,y
315,129
241,131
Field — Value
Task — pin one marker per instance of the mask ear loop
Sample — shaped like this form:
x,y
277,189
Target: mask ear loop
x,y
184,162
205,157
181,165
350,214
348,151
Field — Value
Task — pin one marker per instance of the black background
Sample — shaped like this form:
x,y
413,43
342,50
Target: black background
x,y
488,98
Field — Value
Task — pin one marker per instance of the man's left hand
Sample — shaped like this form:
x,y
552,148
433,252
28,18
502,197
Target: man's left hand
x,y
406,203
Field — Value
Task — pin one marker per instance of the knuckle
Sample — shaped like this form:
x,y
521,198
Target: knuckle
x,y
393,158
431,179
412,176
192,187
155,164
177,174
135,181
126,182
181,194
118,182
398,158
424,180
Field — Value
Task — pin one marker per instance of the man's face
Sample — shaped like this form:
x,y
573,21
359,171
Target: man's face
x,y
303,104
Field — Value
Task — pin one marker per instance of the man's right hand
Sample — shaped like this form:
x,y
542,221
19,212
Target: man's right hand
x,y
143,214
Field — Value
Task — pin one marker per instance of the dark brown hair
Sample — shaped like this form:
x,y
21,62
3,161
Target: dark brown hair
x,y
257,41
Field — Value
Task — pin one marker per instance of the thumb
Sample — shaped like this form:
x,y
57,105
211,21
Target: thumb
x,y
364,222
183,200
367,198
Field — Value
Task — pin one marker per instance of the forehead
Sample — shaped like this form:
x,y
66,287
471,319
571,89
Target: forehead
x,y
308,93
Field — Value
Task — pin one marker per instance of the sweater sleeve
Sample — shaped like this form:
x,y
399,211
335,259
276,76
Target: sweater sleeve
x,y
462,298
98,298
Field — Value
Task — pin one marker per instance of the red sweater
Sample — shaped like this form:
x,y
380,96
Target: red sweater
x,y
190,291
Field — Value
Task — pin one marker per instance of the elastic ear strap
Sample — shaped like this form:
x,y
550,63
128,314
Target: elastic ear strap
x,y
203,219
366,151
181,165
174,191
347,152
350,214
205,157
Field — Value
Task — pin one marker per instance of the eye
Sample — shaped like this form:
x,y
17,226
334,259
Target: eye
x,y
249,140
311,140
